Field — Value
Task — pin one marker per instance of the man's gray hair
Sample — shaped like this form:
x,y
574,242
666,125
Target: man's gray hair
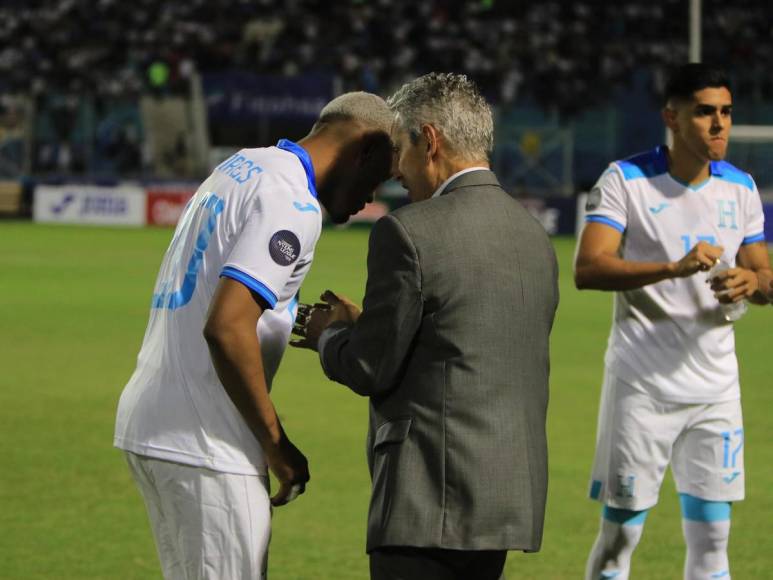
x,y
453,105
365,108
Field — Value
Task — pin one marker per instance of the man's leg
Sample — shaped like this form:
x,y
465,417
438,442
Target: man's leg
x,y
411,563
709,472
488,564
166,547
218,523
633,448
706,527
618,537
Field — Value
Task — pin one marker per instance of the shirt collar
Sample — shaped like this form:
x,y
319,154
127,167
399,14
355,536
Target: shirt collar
x,y
443,185
303,156
661,159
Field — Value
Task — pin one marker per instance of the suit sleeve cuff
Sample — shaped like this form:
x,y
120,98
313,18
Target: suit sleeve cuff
x,y
324,339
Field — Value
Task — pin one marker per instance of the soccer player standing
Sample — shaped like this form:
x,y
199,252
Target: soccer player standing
x,y
657,224
196,420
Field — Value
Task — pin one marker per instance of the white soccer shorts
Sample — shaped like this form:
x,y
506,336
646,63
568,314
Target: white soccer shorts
x,y
207,525
639,436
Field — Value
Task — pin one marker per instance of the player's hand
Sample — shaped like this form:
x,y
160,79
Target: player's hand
x,y
342,309
309,324
312,320
734,285
300,327
291,469
700,259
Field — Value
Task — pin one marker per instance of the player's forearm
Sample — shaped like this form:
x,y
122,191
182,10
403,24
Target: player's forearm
x,y
764,293
614,273
769,287
237,360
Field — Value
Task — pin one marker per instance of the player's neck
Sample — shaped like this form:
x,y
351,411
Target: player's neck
x,y
320,154
687,167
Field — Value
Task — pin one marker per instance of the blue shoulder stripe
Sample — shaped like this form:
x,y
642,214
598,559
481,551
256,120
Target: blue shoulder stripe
x,y
255,285
648,164
728,172
606,221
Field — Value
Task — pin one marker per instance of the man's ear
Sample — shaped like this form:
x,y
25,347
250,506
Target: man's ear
x,y
670,120
432,137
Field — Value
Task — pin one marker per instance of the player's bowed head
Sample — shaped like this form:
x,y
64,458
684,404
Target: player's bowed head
x,y
351,151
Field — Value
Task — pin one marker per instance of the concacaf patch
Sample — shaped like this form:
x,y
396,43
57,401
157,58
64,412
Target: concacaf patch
x,y
284,247
594,199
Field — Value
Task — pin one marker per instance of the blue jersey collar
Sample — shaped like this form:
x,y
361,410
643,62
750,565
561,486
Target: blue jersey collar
x,y
661,153
661,159
303,155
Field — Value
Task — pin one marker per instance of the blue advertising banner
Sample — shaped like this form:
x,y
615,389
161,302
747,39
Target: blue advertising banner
x,y
557,215
240,96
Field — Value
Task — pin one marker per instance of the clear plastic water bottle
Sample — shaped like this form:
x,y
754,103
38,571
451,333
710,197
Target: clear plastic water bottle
x,y
732,311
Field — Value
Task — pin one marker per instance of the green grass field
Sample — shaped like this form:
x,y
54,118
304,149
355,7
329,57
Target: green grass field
x,y
74,307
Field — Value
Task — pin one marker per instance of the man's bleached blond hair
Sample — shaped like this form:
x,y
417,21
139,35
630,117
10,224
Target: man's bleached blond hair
x,y
365,108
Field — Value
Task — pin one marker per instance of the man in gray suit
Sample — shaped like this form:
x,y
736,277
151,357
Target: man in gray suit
x,y
451,347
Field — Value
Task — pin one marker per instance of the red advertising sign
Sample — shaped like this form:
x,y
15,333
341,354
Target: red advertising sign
x,y
166,205
371,213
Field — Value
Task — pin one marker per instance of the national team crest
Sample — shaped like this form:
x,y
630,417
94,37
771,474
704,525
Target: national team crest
x,y
727,214
626,485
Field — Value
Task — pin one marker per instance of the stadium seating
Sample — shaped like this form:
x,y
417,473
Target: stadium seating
x,y
567,55
597,66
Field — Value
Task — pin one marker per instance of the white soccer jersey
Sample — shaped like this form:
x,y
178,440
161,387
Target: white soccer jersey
x,y
256,219
670,338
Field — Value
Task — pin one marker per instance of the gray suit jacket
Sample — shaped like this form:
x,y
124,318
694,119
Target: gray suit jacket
x,y
452,349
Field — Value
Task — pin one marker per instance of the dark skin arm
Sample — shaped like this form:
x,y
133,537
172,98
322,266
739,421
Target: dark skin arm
x,y
598,266
230,332
750,280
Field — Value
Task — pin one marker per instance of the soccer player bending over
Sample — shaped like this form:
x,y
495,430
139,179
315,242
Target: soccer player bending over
x,y
661,227
196,420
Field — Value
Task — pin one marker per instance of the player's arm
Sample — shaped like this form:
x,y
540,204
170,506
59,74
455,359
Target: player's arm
x,y
751,279
598,265
230,332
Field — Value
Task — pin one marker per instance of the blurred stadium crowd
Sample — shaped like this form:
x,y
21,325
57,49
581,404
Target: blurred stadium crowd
x,y
86,63
561,54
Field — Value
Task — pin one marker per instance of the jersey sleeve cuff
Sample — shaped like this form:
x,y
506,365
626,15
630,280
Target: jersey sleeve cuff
x,y
600,219
255,285
753,239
